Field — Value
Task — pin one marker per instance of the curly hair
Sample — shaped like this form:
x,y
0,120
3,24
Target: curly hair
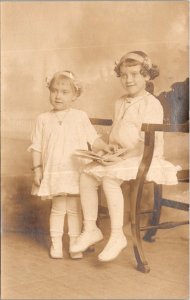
x,y
147,68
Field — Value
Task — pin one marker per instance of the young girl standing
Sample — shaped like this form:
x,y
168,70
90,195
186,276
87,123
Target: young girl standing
x,y
58,133
137,106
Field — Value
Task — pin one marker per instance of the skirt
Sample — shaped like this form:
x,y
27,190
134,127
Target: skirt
x,y
160,171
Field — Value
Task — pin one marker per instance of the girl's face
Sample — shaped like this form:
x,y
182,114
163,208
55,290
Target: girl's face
x,y
132,80
62,94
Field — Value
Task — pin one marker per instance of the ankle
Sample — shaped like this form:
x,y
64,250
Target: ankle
x,y
117,232
90,225
56,241
72,240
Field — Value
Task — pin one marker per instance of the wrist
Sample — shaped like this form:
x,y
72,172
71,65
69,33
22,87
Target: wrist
x,y
36,168
105,145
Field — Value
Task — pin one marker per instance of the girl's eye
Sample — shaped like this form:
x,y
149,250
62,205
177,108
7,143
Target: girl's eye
x,y
133,74
65,92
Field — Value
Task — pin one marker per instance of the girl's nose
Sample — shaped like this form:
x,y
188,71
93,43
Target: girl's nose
x,y
129,78
58,94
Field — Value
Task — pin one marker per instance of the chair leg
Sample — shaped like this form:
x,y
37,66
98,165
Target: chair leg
x,y
135,201
150,234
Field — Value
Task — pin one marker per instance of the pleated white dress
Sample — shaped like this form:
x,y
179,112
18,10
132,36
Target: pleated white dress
x,y
57,143
130,113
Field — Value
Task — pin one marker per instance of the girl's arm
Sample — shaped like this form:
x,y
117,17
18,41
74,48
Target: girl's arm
x,y
36,158
35,148
96,143
37,167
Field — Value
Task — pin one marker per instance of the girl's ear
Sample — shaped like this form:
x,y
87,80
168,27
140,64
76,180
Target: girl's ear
x,y
74,98
147,77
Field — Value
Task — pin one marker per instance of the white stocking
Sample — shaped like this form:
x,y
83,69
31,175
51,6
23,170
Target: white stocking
x,y
74,216
115,200
57,216
89,200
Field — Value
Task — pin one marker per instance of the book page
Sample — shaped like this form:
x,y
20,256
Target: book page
x,y
104,157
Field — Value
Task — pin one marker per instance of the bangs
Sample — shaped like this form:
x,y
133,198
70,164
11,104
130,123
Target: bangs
x,y
129,63
57,79
69,77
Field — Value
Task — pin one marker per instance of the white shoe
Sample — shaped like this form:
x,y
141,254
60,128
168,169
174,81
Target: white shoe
x,y
56,252
113,248
86,239
77,255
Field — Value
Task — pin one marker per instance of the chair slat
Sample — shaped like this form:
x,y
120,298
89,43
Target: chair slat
x,y
175,204
147,211
102,122
165,225
183,176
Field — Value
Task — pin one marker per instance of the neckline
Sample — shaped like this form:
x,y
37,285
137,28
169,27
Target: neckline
x,y
60,115
59,112
134,99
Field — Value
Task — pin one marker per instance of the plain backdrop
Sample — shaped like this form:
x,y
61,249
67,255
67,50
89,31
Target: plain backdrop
x,y
87,37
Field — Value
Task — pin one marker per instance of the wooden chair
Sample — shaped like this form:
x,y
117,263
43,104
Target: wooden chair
x,y
136,194
136,187
137,190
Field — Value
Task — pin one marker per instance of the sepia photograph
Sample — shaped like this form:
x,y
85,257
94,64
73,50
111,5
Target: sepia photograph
x,y
94,149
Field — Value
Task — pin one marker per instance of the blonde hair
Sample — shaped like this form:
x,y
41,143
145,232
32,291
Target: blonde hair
x,y
66,75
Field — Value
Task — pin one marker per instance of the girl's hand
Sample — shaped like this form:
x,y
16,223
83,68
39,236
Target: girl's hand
x,y
111,148
111,161
38,175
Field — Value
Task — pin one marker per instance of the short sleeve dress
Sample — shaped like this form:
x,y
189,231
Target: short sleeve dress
x,y
57,143
130,113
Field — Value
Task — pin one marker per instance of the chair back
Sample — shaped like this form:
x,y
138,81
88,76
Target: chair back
x,y
176,103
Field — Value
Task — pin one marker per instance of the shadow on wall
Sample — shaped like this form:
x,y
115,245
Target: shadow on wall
x,y
21,211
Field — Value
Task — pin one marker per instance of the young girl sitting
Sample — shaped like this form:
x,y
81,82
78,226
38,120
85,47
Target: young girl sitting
x,y
58,134
137,106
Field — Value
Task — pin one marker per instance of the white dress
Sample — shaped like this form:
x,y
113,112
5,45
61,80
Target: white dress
x,y
130,113
57,143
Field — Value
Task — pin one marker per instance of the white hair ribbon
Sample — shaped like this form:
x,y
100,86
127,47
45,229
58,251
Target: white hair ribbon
x,y
144,60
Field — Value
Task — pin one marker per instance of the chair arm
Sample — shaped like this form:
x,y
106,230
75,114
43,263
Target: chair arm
x,y
165,127
149,143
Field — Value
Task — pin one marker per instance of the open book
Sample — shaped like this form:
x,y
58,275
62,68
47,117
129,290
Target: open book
x,y
101,156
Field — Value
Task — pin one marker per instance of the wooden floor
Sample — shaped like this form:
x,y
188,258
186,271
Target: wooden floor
x,y
29,273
